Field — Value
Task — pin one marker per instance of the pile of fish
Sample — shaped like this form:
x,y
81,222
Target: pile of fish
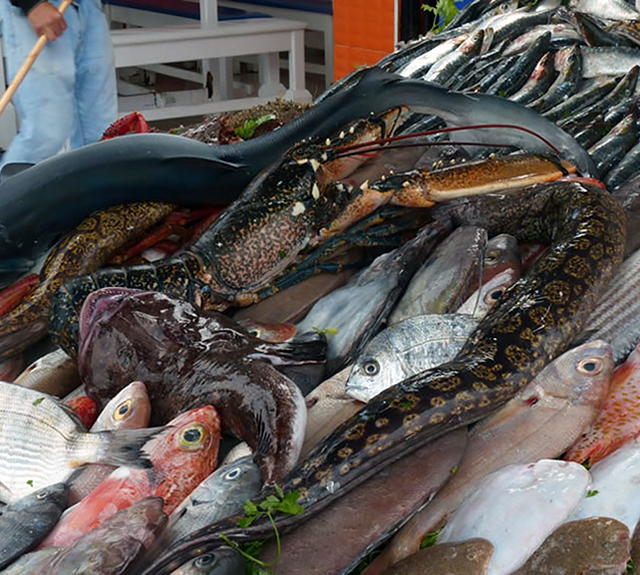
x,y
338,375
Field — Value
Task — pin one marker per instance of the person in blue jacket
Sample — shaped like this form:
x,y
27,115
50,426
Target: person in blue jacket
x,y
70,91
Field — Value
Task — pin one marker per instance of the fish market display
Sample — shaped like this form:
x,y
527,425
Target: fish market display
x,y
24,523
42,443
490,168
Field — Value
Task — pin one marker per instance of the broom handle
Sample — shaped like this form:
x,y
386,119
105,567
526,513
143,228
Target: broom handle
x,y
28,62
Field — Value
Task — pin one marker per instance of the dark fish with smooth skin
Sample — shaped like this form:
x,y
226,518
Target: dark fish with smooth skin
x,y
26,522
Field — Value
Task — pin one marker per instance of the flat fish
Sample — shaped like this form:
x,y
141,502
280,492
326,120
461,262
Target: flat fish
x,y
469,557
353,313
113,546
405,348
56,445
24,523
539,422
596,545
188,359
441,282
545,493
356,523
129,409
614,490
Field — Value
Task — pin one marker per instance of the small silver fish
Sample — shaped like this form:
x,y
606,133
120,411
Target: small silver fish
x,y
406,348
42,442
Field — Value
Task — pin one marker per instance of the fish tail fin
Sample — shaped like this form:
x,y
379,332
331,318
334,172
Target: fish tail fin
x,y
124,446
308,347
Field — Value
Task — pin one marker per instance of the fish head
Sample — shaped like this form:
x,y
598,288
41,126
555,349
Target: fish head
x,y
52,497
501,253
129,409
373,373
581,376
186,454
222,560
242,475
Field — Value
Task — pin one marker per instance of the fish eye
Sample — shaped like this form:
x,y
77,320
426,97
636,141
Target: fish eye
x,y
255,332
206,560
192,436
495,295
491,256
42,494
123,410
590,366
371,367
233,474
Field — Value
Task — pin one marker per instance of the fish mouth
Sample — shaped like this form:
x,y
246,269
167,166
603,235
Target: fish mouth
x,y
100,303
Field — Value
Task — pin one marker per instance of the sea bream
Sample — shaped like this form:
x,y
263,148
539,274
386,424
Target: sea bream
x,y
42,442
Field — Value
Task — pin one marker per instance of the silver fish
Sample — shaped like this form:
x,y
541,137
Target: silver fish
x,y
42,442
406,348
607,9
484,299
608,61
440,284
26,522
429,58
54,373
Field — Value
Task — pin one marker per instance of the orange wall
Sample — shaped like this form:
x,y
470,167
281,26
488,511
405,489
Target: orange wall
x,y
362,33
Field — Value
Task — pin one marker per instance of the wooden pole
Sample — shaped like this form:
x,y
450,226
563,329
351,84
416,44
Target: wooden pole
x,y
28,62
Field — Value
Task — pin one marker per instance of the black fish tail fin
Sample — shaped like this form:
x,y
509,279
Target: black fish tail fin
x,y
308,347
124,446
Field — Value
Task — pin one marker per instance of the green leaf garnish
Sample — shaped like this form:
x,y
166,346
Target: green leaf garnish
x,y
326,330
30,482
247,130
454,470
38,401
592,493
444,11
430,538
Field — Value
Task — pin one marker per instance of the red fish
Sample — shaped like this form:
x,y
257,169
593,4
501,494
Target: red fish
x,y
182,458
85,408
619,418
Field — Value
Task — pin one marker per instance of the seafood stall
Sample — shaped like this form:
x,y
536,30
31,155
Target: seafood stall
x,y
395,331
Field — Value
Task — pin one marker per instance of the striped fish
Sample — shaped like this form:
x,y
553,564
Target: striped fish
x,y
42,442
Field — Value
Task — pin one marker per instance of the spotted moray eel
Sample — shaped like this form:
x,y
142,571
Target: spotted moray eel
x,y
533,323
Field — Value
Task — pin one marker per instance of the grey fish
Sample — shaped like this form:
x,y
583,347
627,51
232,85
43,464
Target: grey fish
x,y
221,494
470,557
616,318
588,135
54,373
566,83
607,9
580,100
608,61
57,443
439,286
222,561
625,168
113,546
406,348
444,68
26,522
353,313
596,545
495,73
538,82
423,62
30,562
356,523
487,296
612,148
560,31
542,421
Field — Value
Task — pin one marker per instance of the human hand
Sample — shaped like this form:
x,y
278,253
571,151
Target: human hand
x,y
46,19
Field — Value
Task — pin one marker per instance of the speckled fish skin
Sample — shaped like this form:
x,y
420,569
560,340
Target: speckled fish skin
x,y
182,457
615,481
406,348
57,444
358,309
469,557
441,282
26,522
487,296
356,523
130,409
545,493
113,546
616,317
185,362
619,419
597,545
539,422
222,561
221,494
54,373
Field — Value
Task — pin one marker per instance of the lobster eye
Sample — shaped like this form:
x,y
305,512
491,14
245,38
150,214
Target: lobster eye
x,y
371,367
233,474
192,437
206,560
493,296
123,410
590,366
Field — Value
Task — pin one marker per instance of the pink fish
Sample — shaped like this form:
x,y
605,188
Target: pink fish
x,y
619,419
182,458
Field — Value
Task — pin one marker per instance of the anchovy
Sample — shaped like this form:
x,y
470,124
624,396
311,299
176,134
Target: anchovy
x,y
612,148
565,84
607,9
579,101
608,61
538,82
625,168
445,67
558,33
